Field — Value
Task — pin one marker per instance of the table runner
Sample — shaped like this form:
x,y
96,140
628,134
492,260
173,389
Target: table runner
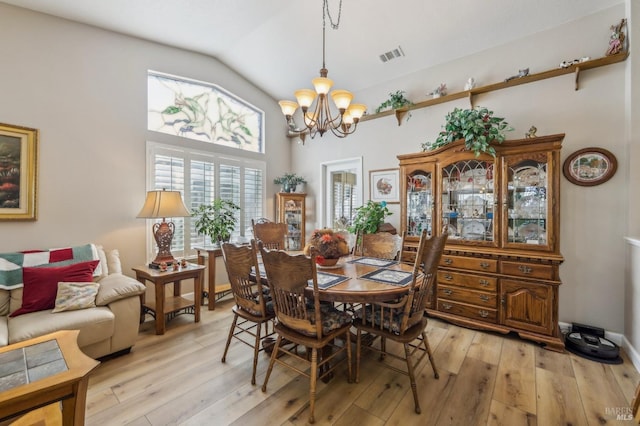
x,y
374,261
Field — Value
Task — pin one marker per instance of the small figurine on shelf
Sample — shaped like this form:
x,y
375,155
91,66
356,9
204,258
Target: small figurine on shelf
x,y
163,266
616,41
521,73
184,263
176,266
531,133
471,83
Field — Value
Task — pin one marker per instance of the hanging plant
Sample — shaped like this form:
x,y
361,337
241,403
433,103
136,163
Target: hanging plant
x,y
396,100
478,127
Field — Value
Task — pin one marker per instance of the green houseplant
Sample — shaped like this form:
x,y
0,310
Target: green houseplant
x,y
216,220
369,217
478,127
289,181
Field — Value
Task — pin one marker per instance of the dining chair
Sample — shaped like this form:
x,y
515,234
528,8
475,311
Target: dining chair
x,y
253,307
403,321
302,321
273,235
409,249
383,245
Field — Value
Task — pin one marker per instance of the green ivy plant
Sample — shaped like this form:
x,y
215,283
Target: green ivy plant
x,y
369,217
478,127
396,100
216,220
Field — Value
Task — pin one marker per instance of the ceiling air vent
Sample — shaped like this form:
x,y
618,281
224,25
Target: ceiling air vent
x,y
392,54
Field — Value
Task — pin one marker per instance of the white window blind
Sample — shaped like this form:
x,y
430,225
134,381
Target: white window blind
x,y
209,176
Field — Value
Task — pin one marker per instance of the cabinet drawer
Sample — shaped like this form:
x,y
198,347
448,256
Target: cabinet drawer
x,y
468,311
458,294
523,269
471,263
477,282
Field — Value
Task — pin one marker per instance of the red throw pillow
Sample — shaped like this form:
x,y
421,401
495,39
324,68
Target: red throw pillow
x,y
41,284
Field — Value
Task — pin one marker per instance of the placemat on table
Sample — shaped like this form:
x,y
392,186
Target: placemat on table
x,y
327,280
389,276
374,261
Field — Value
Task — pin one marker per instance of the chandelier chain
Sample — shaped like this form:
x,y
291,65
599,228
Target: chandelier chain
x,y
325,8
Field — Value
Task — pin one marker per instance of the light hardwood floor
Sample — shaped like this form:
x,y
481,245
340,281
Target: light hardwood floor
x,y
485,378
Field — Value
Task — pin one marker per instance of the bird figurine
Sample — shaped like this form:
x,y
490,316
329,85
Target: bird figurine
x,y
531,133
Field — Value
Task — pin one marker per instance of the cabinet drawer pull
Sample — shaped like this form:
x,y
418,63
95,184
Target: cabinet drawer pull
x,y
447,292
484,283
484,297
525,269
484,265
447,261
446,306
448,277
483,313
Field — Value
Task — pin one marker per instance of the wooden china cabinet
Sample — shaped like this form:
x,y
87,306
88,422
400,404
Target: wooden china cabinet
x,y
290,209
500,269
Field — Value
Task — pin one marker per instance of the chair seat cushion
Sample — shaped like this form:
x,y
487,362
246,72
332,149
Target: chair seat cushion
x,y
391,322
268,304
332,319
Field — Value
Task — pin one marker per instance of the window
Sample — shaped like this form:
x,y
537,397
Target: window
x,y
203,111
202,176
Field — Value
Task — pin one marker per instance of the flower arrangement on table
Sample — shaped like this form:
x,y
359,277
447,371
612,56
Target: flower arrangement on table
x,y
327,245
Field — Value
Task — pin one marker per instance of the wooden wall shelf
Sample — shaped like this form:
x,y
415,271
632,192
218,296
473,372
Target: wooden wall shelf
x,y
576,68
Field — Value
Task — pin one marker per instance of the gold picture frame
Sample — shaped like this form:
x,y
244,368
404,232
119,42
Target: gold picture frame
x,y
18,172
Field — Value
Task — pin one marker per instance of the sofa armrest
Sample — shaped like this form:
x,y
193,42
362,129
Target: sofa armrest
x,y
117,286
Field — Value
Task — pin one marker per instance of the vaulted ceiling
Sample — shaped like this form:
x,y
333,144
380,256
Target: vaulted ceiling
x,y
277,44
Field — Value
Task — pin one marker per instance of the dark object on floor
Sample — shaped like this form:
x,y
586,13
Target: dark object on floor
x,y
589,342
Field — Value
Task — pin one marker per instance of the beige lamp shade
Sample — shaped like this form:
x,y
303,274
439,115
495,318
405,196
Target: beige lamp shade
x,y
163,204
288,107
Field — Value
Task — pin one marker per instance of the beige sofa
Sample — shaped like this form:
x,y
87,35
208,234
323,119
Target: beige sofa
x,y
111,327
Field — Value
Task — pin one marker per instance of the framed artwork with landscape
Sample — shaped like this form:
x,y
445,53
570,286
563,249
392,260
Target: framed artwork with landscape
x,y
18,172
385,185
590,166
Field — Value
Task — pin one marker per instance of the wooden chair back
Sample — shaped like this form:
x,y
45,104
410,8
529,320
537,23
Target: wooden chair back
x,y
273,235
409,249
425,270
288,277
382,245
241,261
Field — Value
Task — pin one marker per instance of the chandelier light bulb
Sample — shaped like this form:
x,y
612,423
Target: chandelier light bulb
x,y
342,99
305,97
288,107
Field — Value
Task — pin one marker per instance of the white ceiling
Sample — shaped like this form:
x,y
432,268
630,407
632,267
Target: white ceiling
x,y
277,44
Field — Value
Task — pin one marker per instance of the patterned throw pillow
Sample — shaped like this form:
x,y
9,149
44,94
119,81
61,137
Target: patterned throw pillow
x,y
74,296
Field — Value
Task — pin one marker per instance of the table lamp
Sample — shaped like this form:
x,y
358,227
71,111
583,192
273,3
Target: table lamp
x,y
163,204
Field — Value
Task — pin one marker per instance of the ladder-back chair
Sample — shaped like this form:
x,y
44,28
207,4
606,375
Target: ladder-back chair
x,y
403,321
273,235
302,321
253,306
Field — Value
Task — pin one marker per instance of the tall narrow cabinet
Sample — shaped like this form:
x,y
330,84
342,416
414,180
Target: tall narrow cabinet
x,y
500,269
290,209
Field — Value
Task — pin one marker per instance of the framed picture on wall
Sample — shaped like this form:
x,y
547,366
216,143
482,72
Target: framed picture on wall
x,y
18,172
385,185
590,166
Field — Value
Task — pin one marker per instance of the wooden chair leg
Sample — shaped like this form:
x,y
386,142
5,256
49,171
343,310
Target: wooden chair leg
x,y
425,341
256,350
412,378
274,355
383,348
349,359
231,330
313,379
358,351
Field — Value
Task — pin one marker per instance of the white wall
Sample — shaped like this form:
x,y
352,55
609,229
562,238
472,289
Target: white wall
x,y
593,219
85,89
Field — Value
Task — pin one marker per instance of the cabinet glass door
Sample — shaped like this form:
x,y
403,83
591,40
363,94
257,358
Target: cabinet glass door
x,y
468,201
419,203
527,192
293,211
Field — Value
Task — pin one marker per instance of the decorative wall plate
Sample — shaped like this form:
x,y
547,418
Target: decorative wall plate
x,y
590,166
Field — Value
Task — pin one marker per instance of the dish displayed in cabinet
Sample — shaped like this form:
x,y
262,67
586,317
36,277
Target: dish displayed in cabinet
x,y
529,176
530,231
473,230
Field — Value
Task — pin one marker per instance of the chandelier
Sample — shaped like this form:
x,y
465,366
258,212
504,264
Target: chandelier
x,y
319,119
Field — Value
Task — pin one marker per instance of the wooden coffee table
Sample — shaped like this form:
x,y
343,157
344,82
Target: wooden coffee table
x,y
44,370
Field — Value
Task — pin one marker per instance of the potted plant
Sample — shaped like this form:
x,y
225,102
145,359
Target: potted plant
x,y
369,217
289,181
478,127
216,220
396,101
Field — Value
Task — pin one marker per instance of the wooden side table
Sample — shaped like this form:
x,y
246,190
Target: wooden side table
x,y
43,370
212,292
172,305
